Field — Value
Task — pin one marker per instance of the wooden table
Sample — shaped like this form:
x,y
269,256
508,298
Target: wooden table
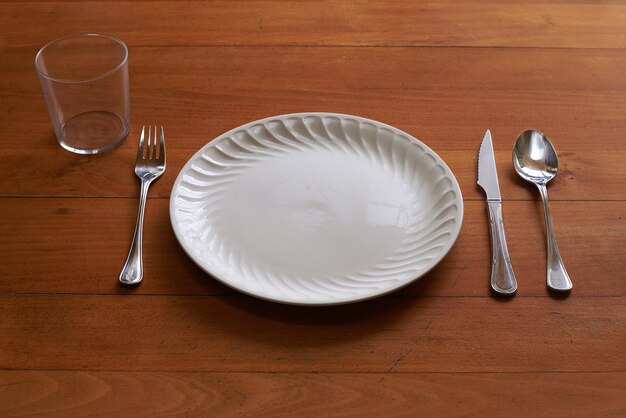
x,y
74,343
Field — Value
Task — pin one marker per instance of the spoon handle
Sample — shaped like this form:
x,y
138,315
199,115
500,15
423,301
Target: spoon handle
x,y
557,277
502,277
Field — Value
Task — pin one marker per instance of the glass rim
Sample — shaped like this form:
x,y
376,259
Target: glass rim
x,y
77,35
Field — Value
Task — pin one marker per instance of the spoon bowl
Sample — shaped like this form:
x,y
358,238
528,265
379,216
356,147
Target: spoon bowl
x,y
534,157
535,160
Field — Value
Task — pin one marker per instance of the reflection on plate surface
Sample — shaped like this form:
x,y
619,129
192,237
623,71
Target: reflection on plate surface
x,y
316,208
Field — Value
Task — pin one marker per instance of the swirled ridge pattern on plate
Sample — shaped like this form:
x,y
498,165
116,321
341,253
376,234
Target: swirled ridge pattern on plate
x,y
316,208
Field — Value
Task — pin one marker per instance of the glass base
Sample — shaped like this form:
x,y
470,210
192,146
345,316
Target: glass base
x,y
93,132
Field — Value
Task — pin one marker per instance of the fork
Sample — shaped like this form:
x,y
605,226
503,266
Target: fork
x,y
150,164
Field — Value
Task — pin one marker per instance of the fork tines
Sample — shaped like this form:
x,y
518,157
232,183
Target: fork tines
x,y
151,149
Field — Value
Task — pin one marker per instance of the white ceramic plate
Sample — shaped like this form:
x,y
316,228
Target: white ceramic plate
x,y
316,208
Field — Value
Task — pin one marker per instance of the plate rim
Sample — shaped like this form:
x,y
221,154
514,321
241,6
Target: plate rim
x,y
337,301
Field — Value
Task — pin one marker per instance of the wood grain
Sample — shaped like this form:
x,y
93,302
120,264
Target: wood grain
x,y
224,334
446,97
326,22
103,394
90,239
53,172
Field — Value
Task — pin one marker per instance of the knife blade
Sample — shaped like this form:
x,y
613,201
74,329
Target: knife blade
x,y
503,279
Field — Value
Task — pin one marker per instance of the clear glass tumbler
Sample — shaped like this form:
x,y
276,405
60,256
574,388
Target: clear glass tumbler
x,y
84,79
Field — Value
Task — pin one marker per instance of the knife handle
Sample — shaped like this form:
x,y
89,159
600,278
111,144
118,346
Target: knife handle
x,y
502,277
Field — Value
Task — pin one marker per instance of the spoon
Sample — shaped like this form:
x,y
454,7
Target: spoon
x,y
535,161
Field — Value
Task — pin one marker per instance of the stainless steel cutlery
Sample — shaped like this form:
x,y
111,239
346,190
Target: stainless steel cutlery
x,y
535,160
149,165
502,277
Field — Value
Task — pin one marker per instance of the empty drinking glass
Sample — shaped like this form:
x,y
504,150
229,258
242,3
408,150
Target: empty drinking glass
x,y
84,79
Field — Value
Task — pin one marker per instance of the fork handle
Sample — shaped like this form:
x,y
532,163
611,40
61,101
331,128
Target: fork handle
x,y
132,272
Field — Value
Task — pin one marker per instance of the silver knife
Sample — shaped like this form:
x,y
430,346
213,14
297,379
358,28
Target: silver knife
x,y
502,276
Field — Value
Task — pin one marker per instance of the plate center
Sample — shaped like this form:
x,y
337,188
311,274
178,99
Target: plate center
x,y
317,212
